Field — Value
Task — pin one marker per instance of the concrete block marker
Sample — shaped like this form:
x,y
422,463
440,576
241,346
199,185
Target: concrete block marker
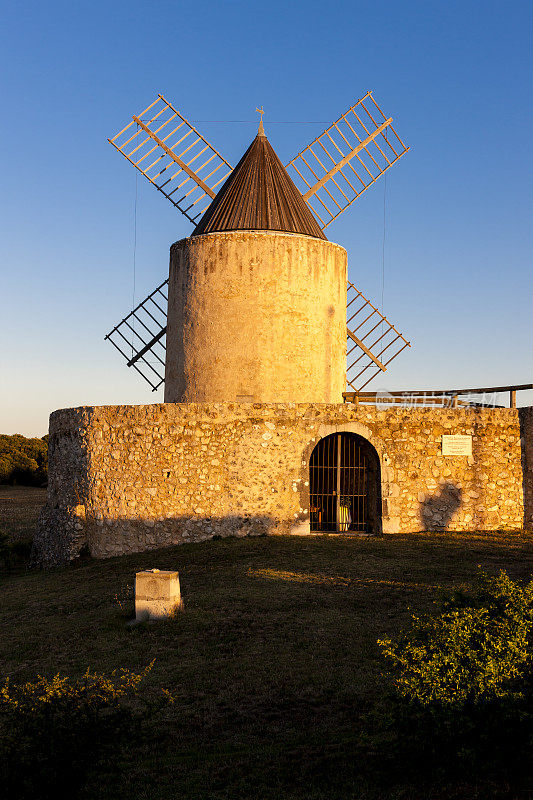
x,y
157,594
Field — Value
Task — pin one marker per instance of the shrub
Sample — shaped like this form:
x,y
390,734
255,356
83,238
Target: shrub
x,y
463,687
475,650
53,731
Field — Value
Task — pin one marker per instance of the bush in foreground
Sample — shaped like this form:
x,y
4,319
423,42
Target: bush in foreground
x,y
463,683
53,731
477,649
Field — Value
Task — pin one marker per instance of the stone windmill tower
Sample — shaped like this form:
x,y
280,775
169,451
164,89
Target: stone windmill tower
x,y
257,295
255,334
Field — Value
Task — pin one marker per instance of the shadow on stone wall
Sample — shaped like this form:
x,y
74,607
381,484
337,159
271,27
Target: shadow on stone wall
x,y
438,510
61,538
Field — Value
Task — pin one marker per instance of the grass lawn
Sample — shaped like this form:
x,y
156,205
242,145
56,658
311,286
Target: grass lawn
x,y
273,661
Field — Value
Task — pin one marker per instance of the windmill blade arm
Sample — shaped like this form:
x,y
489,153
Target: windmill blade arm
x,y
365,349
163,145
346,159
148,346
185,167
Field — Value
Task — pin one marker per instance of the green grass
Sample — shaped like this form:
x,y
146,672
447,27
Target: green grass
x,y
273,662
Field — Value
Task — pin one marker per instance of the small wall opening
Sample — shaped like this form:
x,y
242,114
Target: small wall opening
x,y
345,485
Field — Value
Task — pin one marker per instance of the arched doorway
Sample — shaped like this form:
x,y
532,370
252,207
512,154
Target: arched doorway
x,y
345,485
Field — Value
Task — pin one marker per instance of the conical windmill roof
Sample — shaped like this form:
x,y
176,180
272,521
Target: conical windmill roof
x,y
259,195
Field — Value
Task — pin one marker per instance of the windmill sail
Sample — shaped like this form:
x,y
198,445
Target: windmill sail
x,y
174,157
373,341
141,336
341,163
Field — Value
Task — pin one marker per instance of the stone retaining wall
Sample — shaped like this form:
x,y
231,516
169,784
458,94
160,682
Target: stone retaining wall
x,y
128,478
526,431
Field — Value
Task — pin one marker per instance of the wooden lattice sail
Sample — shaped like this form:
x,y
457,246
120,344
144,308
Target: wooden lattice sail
x,y
140,336
174,157
373,341
346,159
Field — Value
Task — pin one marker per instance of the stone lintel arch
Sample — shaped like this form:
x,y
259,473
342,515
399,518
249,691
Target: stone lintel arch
x,y
302,526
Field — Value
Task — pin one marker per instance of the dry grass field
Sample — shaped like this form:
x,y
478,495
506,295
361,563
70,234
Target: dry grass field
x,y
273,662
19,509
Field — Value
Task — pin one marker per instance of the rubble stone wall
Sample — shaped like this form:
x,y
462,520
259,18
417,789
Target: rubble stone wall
x,y
123,479
526,430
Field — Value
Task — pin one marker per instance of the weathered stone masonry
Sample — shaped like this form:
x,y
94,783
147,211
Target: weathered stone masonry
x,y
130,478
526,433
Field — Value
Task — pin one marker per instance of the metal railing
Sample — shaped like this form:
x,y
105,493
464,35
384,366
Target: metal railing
x,y
444,398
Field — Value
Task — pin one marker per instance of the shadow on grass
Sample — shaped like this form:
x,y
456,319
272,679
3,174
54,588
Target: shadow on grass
x,y
481,750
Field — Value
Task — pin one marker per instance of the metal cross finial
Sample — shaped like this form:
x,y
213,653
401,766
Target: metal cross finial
x,y
261,129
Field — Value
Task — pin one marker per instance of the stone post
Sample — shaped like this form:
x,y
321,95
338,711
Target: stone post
x,y
157,594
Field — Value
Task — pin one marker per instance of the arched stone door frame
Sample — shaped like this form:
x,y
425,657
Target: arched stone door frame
x,y
302,526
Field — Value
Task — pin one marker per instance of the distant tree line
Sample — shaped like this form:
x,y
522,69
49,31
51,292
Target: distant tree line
x,y
23,461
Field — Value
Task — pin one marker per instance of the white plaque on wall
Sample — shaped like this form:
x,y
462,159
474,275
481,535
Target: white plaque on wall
x,y
456,445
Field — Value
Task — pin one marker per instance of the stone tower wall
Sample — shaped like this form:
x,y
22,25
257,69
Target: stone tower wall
x,y
130,478
256,315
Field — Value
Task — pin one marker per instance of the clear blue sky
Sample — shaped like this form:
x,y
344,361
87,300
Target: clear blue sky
x,y
455,76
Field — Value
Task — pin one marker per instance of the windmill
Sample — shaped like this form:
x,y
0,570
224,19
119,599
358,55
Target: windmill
x,y
328,175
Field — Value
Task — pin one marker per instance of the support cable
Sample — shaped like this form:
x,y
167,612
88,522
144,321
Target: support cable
x,y
383,248
134,261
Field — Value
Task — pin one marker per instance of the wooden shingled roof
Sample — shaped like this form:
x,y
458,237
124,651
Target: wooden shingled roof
x,y
259,195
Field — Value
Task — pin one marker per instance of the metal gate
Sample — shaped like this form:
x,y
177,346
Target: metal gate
x,y
339,484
